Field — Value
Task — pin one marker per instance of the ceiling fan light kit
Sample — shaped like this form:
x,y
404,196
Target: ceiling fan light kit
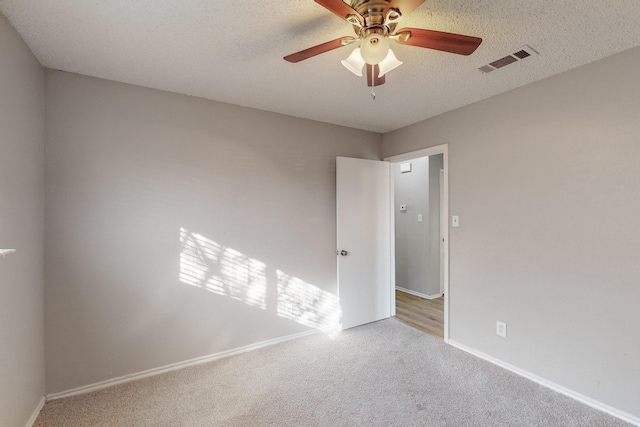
x,y
389,63
354,62
375,24
374,49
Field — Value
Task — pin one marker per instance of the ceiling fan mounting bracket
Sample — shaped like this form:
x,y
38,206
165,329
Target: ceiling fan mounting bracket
x,y
354,20
393,16
402,36
348,41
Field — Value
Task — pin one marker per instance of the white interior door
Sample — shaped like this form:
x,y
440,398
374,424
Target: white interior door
x,y
364,240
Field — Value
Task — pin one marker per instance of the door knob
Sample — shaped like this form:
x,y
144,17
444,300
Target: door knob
x,y
344,253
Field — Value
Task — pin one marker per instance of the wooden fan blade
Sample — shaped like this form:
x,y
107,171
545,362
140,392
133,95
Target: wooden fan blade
x,y
317,50
404,6
340,8
377,81
446,42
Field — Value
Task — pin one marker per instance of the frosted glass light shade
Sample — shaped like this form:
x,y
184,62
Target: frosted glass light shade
x,y
388,63
354,62
374,48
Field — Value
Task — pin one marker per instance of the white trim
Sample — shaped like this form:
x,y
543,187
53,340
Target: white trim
x,y
551,385
441,227
418,294
424,152
36,412
174,366
431,151
392,240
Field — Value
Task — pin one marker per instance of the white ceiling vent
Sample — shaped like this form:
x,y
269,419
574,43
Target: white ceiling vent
x,y
520,54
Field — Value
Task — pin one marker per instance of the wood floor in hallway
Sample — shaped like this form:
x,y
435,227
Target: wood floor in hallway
x,y
423,314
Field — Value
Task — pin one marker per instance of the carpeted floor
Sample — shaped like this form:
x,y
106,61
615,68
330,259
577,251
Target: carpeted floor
x,y
381,374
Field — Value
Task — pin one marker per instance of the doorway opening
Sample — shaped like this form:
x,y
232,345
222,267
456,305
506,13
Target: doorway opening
x,y
419,230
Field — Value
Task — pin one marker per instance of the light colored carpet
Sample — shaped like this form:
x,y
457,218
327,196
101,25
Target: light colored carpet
x,y
381,374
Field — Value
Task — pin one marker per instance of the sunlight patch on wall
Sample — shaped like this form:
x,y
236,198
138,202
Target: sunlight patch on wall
x,y
221,270
308,305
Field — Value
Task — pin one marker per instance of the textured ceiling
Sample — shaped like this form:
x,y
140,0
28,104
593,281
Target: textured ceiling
x,y
231,51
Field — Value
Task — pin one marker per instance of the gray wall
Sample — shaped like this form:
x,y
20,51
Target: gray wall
x,y
546,181
412,237
411,242
21,227
177,227
417,246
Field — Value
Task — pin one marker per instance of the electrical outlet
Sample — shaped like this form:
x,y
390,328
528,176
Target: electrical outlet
x,y
501,329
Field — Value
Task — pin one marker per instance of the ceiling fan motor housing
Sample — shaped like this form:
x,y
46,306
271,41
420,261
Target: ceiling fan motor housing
x,y
372,11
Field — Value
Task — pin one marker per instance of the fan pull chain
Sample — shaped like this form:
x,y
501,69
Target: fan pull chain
x,y
373,82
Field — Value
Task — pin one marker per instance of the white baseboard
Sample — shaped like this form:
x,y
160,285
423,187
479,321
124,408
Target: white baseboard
x,y
173,367
553,386
418,294
36,412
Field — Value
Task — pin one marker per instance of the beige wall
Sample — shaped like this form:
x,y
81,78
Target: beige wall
x,y
546,181
127,169
21,227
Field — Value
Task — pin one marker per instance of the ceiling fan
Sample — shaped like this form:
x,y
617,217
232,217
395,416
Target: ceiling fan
x,y
375,23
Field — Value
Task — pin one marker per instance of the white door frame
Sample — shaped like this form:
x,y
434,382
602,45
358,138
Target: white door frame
x,y
431,151
442,227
